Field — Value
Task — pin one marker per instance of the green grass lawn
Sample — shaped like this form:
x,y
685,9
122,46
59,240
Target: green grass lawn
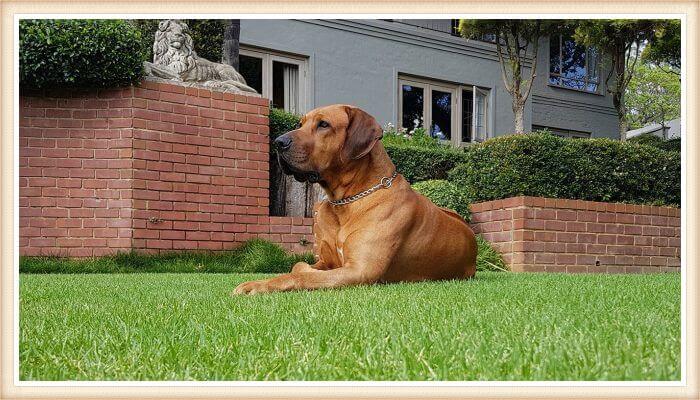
x,y
499,326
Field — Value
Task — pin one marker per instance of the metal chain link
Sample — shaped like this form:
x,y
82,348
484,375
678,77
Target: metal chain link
x,y
385,182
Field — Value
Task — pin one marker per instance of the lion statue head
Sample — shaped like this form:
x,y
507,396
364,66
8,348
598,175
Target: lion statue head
x,y
173,46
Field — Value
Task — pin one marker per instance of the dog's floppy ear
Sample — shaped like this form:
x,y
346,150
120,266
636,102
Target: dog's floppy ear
x,y
362,134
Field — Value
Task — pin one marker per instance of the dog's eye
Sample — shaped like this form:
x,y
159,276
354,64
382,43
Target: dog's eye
x,y
323,124
298,125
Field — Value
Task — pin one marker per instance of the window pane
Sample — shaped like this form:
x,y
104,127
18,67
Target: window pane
x,y
554,54
467,110
573,83
251,69
285,86
481,106
412,107
441,115
573,60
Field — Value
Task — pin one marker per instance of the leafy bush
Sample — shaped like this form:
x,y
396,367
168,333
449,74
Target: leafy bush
x,y
281,122
445,194
256,255
207,35
549,166
658,142
487,258
79,53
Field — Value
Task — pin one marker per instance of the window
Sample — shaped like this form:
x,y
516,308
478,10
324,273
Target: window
x,y
565,133
280,78
455,27
452,113
573,66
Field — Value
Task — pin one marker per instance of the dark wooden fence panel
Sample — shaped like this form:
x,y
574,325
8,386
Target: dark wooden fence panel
x,y
289,198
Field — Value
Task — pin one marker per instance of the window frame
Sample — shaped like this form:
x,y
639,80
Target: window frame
x,y
559,74
564,133
456,90
268,57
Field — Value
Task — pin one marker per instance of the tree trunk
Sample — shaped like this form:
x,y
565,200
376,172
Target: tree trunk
x,y
618,102
519,116
622,126
231,43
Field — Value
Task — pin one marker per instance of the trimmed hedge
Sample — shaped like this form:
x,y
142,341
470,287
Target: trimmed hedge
x,y
549,166
421,164
79,53
281,122
653,140
445,194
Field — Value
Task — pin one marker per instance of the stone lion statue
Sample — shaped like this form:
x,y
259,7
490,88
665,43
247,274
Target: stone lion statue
x,y
174,58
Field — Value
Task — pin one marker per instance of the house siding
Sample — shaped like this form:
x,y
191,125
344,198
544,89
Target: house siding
x,y
358,62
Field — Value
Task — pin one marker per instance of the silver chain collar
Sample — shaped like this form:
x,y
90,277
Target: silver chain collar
x,y
385,183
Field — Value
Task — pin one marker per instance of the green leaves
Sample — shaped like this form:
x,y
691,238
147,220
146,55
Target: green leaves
x,y
445,194
79,53
652,96
544,165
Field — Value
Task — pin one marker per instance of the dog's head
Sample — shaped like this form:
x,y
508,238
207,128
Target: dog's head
x,y
328,140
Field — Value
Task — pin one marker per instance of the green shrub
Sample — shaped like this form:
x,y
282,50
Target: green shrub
x,y
653,140
549,166
79,53
281,122
671,145
487,258
207,36
421,164
445,194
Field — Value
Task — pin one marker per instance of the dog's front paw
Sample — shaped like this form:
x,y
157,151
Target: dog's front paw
x,y
252,287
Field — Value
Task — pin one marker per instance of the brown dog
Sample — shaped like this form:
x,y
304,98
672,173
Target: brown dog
x,y
390,234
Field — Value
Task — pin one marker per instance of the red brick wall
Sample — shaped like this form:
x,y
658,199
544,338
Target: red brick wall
x,y
554,235
155,167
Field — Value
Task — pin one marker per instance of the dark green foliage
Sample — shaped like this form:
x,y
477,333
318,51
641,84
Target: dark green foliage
x,y
207,36
671,145
665,47
79,53
256,255
420,164
658,142
445,194
281,122
549,166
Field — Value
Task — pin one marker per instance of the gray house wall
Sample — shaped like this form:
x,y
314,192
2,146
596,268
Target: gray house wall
x,y
358,62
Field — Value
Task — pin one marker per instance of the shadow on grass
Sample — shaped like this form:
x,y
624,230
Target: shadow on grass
x,y
254,256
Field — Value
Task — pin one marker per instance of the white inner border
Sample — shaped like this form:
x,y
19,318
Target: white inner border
x,y
684,212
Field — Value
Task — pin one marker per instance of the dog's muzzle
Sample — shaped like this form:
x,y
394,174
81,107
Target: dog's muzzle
x,y
299,175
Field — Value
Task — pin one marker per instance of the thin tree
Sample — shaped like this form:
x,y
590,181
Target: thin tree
x,y
514,38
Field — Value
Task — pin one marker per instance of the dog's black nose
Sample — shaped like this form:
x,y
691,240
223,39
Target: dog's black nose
x,y
283,142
